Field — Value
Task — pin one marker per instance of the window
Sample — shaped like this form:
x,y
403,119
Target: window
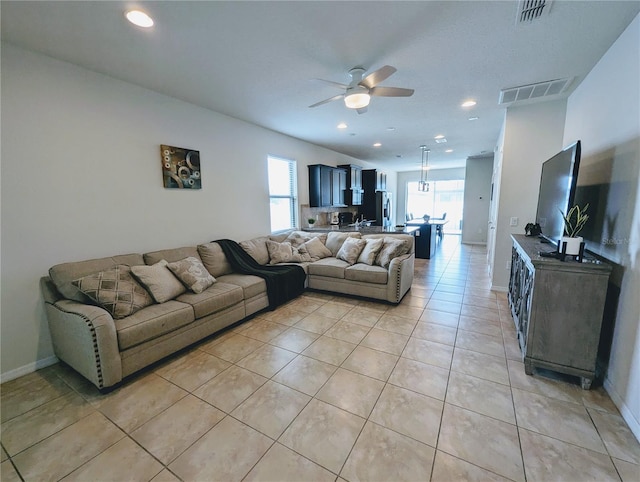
x,y
443,197
283,194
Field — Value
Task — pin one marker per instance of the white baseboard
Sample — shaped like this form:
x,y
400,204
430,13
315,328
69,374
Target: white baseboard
x,y
628,416
29,368
475,243
502,289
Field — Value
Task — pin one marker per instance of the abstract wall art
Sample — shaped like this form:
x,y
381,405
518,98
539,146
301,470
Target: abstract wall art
x,y
180,167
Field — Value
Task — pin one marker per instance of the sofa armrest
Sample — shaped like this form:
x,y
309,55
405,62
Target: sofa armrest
x,y
84,337
400,277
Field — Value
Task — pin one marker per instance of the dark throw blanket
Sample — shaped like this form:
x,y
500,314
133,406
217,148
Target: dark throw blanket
x,y
284,282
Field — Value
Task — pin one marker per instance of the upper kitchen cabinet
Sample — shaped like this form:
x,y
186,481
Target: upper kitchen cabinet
x,y
353,193
374,180
327,186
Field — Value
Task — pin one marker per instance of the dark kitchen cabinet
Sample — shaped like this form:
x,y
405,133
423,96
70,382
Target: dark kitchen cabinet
x,y
353,192
327,185
374,180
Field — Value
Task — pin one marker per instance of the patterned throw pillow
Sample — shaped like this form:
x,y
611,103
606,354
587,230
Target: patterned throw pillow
x,y
286,253
192,273
297,238
351,249
392,248
370,251
115,290
317,250
159,281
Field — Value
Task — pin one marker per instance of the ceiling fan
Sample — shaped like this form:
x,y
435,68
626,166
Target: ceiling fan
x,y
360,90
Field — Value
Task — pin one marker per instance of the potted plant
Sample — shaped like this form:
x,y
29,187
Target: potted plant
x,y
311,221
574,221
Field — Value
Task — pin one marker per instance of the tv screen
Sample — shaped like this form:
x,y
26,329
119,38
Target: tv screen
x,y
557,191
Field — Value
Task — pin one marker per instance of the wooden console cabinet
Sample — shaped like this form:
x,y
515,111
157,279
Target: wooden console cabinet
x,y
557,308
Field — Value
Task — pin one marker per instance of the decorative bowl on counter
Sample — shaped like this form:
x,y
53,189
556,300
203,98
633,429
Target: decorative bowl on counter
x,y
400,227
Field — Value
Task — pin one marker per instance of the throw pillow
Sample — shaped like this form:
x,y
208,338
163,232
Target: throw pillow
x,y
296,238
316,249
335,240
192,273
351,249
115,290
392,248
370,251
159,281
286,253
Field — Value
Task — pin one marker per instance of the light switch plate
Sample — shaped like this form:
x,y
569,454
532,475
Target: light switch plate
x,y
513,221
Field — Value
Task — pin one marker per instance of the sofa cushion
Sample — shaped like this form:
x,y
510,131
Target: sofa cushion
x,y
286,253
335,240
366,273
159,281
192,273
152,322
257,248
331,267
370,251
115,290
351,249
64,274
215,298
251,285
214,259
316,249
392,248
170,255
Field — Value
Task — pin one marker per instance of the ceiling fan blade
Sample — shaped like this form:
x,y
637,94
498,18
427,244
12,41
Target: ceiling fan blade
x,y
326,101
391,92
362,110
374,78
332,83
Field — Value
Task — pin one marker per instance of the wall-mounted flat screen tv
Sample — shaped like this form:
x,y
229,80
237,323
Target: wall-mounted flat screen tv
x,y
557,191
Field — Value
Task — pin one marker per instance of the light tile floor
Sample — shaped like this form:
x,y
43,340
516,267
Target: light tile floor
x,y
331,388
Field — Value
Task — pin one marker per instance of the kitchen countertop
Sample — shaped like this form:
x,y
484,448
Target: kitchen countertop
x,y
364,229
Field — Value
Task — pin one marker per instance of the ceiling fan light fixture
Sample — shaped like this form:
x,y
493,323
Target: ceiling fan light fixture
x,y
423,184
357,100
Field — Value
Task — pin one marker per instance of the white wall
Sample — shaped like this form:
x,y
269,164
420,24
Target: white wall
x,y
81,178
532,134
477,194
414,176
604,112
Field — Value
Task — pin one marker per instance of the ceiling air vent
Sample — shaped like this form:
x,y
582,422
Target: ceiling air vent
x,y
529,10
533,91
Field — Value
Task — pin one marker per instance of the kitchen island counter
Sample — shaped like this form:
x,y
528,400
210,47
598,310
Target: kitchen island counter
x,y
362,229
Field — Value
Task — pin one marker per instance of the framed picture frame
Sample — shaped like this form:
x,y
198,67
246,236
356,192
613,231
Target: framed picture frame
x,y
180,167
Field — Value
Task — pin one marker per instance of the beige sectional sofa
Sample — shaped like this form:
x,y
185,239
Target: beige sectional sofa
x,y
105,348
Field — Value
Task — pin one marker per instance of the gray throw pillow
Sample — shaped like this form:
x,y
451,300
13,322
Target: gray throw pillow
x,y
159,281
192,273
316,249
115,290
392,248
335,240
351,249
370,251
286,253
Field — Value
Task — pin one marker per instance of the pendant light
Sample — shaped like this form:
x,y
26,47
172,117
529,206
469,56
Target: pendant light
x,y
423,185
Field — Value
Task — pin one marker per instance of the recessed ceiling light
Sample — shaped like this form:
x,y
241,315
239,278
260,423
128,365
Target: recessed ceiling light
x,y
391,128
439,136
377,144
440,139
474,118
449,151
342,125
469,103
139,18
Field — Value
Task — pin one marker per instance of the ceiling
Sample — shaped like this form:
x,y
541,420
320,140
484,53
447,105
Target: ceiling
x,y
255,61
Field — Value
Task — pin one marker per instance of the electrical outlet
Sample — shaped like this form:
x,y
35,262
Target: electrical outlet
x,y
513,221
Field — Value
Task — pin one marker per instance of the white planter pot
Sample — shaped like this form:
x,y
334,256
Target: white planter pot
x,y
573,245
